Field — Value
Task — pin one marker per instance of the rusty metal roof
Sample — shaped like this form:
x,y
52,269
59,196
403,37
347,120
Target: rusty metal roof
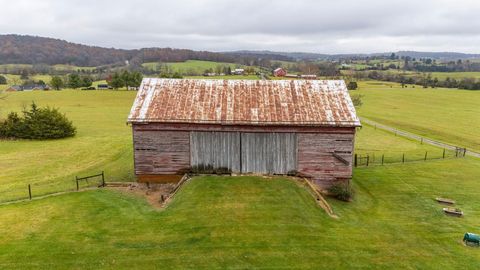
x,y
244,102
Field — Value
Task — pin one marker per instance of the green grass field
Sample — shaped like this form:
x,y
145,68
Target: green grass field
x,y
250,222
191,66
449,115
376,142
240,222
226,77
103,142
439,75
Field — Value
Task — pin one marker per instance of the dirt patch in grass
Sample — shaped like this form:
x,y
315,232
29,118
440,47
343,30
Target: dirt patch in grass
x,y
155,194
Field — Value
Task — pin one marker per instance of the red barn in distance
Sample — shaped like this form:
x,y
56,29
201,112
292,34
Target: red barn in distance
x,y
279,72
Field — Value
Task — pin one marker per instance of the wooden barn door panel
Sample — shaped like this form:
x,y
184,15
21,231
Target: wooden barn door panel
x,y
268,152
216,149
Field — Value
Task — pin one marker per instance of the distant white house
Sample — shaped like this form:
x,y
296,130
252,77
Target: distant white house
x,y
238,71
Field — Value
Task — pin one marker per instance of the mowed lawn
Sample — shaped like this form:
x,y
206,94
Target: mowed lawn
x,y
449,115
253,222
103,142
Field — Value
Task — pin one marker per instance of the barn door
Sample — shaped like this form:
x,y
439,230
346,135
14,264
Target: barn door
x,y
268,152
215,149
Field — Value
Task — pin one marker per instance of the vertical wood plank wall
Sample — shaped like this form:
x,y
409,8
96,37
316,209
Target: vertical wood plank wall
x,y
269,153
218,149
259,152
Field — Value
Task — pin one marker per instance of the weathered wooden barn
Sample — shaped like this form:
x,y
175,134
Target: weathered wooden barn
x,y
247,126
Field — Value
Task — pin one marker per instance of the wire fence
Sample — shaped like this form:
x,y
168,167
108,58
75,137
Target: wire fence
x,y
36,190
372,159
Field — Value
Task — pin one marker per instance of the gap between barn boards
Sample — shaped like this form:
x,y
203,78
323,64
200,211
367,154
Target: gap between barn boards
x,y
414,136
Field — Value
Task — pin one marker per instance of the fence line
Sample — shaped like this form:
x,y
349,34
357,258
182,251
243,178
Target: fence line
x,y
370,159
420,138
30,189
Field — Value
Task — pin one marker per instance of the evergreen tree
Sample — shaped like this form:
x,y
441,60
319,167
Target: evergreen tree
x,y
116,81
37,123
74,81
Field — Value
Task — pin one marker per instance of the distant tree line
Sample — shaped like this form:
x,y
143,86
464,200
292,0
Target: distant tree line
x,y
425,80
73,81
125,79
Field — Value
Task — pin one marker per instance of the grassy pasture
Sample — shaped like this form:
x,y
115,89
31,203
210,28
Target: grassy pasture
x,y
226,77
250,222
103,142
71,68
377,142
191,66
239,222
449,115
439,75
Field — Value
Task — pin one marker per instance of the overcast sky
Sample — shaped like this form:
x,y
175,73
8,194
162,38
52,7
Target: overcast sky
x,y
333,26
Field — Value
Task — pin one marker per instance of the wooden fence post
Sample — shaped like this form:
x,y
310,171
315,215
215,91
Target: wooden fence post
x,y
76,180
368,160
421,140
383,157
356,160
403,158
443,152
103,179
464,151
29,191
426,155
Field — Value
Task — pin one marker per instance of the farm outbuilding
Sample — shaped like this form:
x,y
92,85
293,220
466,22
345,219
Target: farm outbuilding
x,y
244,126
279,72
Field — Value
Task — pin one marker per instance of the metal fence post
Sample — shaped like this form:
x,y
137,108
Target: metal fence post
x,y
29,191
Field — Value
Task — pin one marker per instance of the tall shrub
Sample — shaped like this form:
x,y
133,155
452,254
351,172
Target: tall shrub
x,y
37,123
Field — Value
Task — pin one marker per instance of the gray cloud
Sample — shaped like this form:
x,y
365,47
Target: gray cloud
x,y
328,26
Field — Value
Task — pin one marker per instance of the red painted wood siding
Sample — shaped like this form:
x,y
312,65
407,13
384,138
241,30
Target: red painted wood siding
x,y
161,152
165,148
315,156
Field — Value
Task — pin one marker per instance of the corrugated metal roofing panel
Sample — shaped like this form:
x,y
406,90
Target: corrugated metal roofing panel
x,y
246,102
